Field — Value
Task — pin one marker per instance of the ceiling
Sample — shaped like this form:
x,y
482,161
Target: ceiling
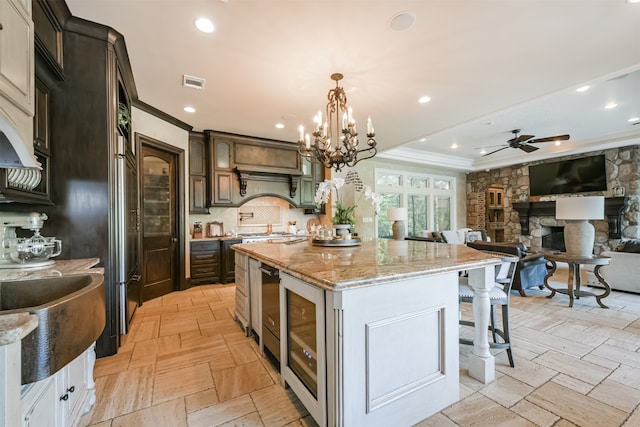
x,y
489,67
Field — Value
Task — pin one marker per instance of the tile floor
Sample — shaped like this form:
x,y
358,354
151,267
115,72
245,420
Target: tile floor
x,y
186,362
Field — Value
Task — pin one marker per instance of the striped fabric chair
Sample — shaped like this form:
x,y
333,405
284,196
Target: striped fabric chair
x,y
498,297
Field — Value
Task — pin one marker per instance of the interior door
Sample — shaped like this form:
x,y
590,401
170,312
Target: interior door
x,y
159,222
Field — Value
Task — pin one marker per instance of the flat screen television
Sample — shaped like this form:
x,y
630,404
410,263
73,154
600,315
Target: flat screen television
x,y
568,176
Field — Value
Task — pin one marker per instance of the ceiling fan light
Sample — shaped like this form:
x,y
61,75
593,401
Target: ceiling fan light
x,y
610,106
583,88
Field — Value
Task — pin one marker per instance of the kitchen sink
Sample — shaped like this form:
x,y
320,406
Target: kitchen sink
x,y
71,316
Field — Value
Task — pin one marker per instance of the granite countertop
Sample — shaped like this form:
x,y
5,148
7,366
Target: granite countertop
x,y
14,327
60,268
373,262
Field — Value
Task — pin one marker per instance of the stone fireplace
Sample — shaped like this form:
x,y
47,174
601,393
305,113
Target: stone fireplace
x,y
529,218
537,222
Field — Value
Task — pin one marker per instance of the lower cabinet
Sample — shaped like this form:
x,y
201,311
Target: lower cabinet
x,y
228,273
205,262
243,309
255,296
61,399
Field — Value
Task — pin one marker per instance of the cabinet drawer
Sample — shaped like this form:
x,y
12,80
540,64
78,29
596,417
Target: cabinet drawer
x,y
205,246
241,280
204,259
242,304
204,270
241,261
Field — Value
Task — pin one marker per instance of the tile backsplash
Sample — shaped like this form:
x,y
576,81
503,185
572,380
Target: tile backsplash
x,y
256,214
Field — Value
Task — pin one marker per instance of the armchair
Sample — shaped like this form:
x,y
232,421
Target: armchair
x,y
530,270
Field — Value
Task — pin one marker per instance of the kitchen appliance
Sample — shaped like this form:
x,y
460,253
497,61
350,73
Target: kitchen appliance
x,y
271,311
26,252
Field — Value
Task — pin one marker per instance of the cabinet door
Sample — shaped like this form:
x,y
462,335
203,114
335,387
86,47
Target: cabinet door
x,y
222,188
197,155
16,54
255,295
42,412
198,194
75,387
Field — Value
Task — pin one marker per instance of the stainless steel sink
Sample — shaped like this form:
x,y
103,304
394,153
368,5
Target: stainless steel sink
x,y
71,315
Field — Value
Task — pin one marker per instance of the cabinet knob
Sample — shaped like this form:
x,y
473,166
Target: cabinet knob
x,y
174,240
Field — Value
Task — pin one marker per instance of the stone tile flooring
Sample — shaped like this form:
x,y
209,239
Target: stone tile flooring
x,y
186,362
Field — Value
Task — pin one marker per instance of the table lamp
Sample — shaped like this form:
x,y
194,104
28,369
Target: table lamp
x,y
579,234
398,216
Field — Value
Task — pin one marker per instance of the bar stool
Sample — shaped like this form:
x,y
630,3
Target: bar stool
x,y
498,297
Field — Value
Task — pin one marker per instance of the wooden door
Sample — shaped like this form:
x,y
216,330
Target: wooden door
x,y
160,234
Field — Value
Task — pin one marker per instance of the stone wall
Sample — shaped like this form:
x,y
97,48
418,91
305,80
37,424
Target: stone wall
x,y
622,167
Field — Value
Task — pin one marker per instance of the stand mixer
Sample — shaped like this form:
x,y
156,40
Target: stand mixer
x,y
26,252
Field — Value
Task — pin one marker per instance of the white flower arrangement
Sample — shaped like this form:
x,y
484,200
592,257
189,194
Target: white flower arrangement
x,y
344,214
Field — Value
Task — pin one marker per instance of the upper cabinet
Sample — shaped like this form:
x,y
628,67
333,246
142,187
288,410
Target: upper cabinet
x,y
47,19
243,167
198,200
16,54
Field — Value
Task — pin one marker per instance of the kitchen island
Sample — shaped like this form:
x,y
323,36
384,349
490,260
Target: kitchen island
x,y
384,346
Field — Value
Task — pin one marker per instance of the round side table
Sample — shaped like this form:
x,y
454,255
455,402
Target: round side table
x,y
574,263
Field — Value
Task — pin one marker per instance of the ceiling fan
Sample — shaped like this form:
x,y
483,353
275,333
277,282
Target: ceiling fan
x,y
519,142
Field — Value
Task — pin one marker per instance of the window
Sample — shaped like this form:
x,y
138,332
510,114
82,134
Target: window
x,y
430,201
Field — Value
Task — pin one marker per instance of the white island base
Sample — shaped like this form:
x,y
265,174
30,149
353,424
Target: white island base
x,y
391,351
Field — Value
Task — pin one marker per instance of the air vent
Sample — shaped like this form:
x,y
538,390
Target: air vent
x,y
193,82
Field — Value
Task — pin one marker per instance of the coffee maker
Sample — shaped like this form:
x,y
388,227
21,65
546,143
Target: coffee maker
x,y
25,252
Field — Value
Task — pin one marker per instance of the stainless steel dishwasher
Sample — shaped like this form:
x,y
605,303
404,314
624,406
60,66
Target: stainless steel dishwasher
x,y
271,310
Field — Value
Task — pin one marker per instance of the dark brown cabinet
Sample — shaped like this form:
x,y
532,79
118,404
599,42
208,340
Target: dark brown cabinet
x,y
228,273
205,262
244,167
198,193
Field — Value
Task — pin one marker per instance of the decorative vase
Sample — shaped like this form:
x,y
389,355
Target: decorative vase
x,y
342,229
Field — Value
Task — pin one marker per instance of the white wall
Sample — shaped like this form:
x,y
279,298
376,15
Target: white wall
x,y
153,127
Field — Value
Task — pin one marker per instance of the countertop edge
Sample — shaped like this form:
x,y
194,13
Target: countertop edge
x,y
14,327
349,284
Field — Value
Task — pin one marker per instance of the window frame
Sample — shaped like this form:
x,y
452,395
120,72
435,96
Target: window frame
x,y
405,190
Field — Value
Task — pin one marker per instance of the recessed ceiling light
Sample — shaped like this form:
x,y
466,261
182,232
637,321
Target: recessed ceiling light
x,y
454,145
424,99
634,119
633,1
279,126
557,143
204,25
402,21
483,151
583,88
610,105
189,109
423,139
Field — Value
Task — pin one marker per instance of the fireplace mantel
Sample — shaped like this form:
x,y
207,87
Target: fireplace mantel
x,y
613,207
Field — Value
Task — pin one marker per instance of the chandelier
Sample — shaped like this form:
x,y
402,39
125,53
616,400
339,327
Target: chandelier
x,y
335,142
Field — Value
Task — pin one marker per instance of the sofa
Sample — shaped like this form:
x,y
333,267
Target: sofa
x,y
624,270
531,269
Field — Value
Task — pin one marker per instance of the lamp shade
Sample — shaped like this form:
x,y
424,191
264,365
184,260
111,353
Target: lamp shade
x,y
397,214
580,208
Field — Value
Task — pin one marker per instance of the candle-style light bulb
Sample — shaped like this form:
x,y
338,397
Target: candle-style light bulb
x,y
350,115
301,130
344,120
369,126
307,141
